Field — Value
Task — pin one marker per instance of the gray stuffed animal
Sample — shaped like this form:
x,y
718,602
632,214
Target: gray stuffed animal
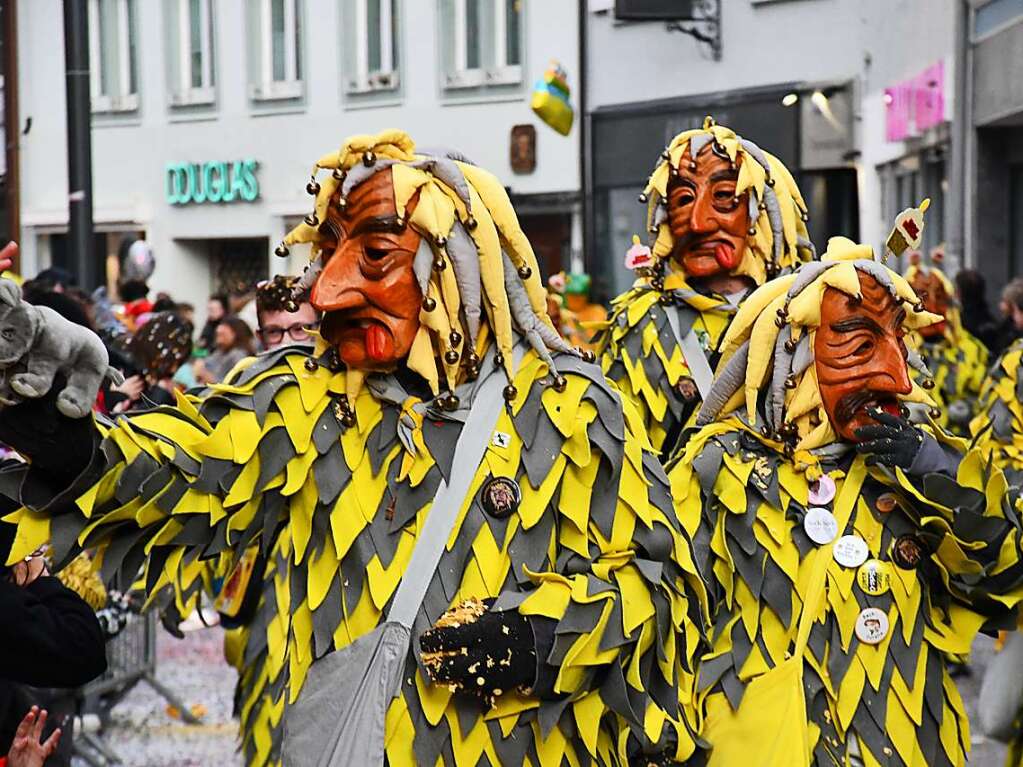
x,y
36,343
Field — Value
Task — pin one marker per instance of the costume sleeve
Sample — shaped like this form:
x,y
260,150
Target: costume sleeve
x,y
970,526
171,488
622,595
998,427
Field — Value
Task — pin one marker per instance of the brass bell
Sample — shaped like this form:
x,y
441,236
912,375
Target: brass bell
x,y
312,188
451,357
560,383
429,304
312,220
790,382
643,198
281,251
471,223
311,364
510,393
368,159
439,264
525,272
455,338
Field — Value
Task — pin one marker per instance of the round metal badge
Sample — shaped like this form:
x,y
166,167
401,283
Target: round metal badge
x,y
871,626
820,525
822,491
908,552
886,503
874,577
851,551
500,497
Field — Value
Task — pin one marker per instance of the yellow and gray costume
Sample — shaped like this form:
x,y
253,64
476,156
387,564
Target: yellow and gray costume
x,y
744,486
332,474
958,362
642,345
998,425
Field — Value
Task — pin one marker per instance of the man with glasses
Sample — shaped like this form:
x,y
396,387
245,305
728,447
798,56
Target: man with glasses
x,y
278,325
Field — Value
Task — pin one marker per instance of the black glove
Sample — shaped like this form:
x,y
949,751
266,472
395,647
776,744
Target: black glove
x,y
480,652
893,441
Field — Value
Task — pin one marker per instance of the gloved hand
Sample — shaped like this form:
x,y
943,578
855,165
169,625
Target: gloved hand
x,y
479,652
892,441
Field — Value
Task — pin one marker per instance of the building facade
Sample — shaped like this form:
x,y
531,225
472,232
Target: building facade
x,y
829,86
208,114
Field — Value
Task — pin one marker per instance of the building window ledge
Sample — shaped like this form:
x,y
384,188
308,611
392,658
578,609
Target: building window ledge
x,y
278,90
373,83
115,104
193,97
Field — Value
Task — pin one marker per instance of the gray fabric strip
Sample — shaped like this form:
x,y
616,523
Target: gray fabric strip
x,y
483,414
703,376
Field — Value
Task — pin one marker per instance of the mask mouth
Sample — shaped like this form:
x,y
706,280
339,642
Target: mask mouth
x,y
864,403
361,327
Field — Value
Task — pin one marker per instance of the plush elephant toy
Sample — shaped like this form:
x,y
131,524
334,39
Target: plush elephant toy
x,y
37,343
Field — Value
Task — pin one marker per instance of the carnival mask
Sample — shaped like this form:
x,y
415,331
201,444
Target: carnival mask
x,y
931,290
709,224
860,356
368,289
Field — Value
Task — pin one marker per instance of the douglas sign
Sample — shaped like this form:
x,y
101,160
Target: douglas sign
x,y
191,182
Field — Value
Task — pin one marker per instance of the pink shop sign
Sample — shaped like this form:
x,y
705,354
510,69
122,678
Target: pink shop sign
x,y
915,105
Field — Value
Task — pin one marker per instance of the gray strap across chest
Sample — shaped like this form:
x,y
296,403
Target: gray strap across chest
x,y
692,351
488,399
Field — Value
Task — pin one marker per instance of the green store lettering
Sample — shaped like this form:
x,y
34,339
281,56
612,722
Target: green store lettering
x,y
211,182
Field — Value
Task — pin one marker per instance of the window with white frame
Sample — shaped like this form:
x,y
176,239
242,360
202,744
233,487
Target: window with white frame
x,y
190,29
278,74
370,33
485,47
113,56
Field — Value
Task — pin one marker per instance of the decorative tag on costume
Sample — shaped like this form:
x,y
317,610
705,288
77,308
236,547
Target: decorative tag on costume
x,y
851,551
908,552
886,503
908,231
822,491
500,439
872,626
500,497
874,577
820,525
232,595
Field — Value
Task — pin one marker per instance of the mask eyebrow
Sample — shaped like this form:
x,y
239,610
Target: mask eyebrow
x,y
387,224
725,175
856,323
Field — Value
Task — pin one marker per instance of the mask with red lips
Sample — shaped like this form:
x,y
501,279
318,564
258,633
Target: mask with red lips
x,y
860,356
708,225
931,290
368,290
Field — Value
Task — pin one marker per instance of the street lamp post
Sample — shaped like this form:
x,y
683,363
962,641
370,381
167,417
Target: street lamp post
x,y
79,141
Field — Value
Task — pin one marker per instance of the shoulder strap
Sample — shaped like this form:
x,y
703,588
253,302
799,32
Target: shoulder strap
x,y
692,352
484,410
844,505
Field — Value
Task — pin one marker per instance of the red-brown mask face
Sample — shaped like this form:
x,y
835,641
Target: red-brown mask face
x,y
368,289
860,356
931,290
709,226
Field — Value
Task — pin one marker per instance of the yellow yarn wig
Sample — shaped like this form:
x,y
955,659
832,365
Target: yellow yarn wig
x,y
777,212
767,363
476,269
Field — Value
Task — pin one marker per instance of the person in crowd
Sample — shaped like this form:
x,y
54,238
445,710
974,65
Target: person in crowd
x,y
557,614
157,350
29,747
55,278
971,292
725,216
956,360
283,319
216,310
848,552
232,343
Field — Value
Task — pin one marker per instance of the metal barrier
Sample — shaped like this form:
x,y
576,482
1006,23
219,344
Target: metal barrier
x,y
131,658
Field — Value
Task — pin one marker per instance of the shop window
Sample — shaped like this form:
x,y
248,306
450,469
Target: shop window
x,y
189,25
277,52
370,34
482,43
113,56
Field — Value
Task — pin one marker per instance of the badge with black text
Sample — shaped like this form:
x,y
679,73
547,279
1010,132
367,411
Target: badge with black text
x,y
872,626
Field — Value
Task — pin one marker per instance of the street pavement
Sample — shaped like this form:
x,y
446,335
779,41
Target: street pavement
x,y
143,734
